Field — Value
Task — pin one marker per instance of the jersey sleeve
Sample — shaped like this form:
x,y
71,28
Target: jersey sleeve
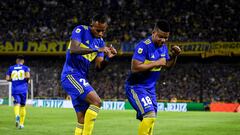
x,y
27,69
101,44
140,52
165,53
100,54
77,33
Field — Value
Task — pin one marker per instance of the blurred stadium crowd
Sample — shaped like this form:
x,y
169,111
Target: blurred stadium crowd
x,y
211,80
130,20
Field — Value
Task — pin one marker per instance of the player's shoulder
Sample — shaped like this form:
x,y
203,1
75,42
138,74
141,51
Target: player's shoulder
x,y
15,67
80,28
25,66
141,47
144,43
11,67
147,41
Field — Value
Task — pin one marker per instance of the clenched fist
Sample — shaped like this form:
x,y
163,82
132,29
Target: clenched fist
x,y
176,50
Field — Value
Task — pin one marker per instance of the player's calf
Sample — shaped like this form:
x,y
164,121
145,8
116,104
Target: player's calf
x,y
22,115
89,120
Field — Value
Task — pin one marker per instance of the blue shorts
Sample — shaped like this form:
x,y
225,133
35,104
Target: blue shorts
x,y
20,98
77,88
142,100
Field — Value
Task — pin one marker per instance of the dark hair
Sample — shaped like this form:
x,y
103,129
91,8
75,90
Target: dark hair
x,y
21,57
162,25
100,17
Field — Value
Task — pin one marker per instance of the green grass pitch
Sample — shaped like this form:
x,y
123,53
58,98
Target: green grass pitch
x,y
51,121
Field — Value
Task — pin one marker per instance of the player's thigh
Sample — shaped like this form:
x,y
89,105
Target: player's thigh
x,y
152,94
154,102
80,105
23,97
16,98
78,88
140,100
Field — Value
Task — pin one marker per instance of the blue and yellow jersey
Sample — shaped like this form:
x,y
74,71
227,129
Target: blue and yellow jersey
x,y
147,52
77,64
19,82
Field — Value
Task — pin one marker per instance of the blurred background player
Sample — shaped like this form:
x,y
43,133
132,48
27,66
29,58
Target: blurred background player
x,y
19,75
151,54
85,46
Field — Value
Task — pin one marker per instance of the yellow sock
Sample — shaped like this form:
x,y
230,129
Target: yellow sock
x,y
22,115
79,129
145,126
90,117
16,110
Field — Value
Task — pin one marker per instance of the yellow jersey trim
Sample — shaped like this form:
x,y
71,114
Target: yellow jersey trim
x,y
153,69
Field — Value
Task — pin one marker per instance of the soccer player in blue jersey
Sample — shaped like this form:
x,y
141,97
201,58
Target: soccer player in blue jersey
x,y
150,56
86,45
19,75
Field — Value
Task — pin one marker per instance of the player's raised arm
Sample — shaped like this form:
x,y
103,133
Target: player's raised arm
x,y
175,50
75,48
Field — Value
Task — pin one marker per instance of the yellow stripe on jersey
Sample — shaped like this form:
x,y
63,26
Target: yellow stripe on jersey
x,y
153,69
83,45
75,83
90,56
135,96
69,45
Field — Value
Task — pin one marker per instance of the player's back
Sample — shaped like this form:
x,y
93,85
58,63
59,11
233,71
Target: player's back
x,y
19,82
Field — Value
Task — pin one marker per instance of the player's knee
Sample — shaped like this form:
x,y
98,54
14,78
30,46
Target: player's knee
x,y
97,102
150,114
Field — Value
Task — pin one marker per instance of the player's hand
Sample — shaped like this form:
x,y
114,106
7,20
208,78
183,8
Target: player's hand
x,y
112,52
176,50
161,62
106,50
